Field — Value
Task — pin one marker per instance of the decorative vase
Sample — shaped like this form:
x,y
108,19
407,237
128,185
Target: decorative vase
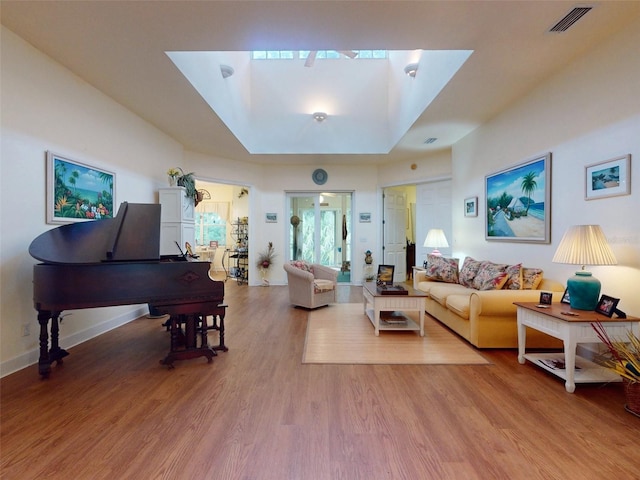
x,y
263,274
368,259
172,181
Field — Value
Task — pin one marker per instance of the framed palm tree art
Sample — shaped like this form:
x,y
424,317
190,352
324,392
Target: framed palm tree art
x,y
77,192
519,202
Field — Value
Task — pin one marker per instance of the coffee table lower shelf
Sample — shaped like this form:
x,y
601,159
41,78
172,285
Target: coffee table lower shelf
x,y
408,325
589,372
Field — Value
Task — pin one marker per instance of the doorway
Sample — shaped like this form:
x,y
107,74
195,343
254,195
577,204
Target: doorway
x,y
320,225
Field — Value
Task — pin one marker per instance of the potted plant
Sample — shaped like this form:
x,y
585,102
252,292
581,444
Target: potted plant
x,y
187,181
625,361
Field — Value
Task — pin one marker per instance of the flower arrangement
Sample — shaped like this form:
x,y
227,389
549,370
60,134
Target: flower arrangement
x,y
625,356
265,259
185,180
173,172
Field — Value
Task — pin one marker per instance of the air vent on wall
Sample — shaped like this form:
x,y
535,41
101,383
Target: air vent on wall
x,y
570,18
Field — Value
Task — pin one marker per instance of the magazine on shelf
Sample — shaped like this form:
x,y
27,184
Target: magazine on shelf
x,y
555,363
395,318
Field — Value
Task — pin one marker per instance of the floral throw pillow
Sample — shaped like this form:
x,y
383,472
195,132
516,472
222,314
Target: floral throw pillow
x,y
302,265
531,278
491,276
514,278
442,269
469,271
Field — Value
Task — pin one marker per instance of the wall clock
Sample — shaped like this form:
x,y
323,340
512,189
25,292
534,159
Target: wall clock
x,y
319,176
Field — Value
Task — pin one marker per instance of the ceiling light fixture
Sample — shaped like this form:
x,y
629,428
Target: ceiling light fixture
x,y
411,70
226,71
319,116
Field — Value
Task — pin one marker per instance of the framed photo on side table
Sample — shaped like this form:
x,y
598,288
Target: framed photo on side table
x,y
565,297
607,305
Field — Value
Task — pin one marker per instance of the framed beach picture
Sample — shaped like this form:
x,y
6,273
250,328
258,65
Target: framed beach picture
x,y
608,179
471,207
271,217
519,202
77,192
365,217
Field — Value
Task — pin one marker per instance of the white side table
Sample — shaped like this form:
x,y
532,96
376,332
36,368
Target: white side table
x,y
572,327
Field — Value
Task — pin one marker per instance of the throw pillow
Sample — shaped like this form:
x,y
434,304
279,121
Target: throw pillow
x,y
491,276
442,269
469,271
531,278
514,278
302,265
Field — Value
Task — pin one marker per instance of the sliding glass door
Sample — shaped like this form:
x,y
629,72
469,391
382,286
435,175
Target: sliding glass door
x,y
320,229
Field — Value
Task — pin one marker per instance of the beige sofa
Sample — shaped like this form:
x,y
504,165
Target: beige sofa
x,y
485,318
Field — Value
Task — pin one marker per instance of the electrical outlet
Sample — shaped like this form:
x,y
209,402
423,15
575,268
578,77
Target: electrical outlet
x,y
26,329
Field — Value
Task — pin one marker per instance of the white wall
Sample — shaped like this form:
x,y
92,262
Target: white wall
x,y
587,113
45,107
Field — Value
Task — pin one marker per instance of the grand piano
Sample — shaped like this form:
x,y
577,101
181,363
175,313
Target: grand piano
x,y
117,262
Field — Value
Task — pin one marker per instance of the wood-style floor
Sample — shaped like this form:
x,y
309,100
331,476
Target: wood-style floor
x,y
113,412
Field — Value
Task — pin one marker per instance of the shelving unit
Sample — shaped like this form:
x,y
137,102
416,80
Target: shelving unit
x,y
238,256
177,220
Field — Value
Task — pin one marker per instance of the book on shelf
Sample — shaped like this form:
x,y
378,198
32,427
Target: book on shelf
x,y
395,318
555,363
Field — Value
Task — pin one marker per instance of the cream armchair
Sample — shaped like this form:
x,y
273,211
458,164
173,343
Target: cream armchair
x,y
311,285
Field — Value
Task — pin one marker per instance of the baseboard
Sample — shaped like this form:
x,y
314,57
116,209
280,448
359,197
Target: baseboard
x,y
31,356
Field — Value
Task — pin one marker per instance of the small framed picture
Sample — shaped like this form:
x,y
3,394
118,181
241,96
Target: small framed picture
x,y
365,217
545,298
565,297
607,305
608,179
271,217
471,207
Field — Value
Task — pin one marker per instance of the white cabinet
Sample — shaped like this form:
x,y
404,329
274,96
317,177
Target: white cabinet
x,y
177,222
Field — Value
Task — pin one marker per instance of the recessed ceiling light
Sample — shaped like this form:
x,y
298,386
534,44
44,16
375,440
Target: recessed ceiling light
x,y
411,69
319,116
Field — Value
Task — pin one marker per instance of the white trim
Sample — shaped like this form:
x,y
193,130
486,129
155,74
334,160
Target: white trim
x,y
31,357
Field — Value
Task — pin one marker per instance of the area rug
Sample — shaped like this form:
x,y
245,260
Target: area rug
x,y
342,334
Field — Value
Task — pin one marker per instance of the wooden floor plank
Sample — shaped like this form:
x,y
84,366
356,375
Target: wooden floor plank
x,y
256,412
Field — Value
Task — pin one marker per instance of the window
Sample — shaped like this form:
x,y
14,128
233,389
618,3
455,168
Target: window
x,y
210,227
321,54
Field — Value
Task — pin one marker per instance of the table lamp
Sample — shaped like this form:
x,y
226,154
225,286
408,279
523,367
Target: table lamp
x,y
584,245
436,239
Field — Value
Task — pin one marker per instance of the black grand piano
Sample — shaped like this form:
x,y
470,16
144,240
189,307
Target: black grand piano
x,y
117,262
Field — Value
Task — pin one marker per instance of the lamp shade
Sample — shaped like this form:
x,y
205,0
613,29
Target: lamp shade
x,y
436,239
584,245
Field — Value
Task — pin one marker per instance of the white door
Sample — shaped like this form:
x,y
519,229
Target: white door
x,y
395,230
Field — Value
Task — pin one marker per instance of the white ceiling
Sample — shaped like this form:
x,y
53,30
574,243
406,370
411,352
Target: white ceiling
x,y
119,47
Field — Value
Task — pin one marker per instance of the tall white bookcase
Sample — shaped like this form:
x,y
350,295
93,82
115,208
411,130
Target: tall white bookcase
x,y
177,221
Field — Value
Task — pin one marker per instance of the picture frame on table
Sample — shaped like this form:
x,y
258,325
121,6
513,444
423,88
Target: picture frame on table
x,y
78,192
607,305
608,179
518,202
565,297
546,298
471,207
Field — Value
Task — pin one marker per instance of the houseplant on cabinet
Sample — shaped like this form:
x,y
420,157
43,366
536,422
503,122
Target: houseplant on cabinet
x,y
185,180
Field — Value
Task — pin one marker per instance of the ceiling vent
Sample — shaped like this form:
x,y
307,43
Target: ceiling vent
x,y
570,18
430,140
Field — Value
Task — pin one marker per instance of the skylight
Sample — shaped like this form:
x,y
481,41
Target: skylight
x,y
324,54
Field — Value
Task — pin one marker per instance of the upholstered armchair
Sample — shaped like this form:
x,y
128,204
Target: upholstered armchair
x,y
311,285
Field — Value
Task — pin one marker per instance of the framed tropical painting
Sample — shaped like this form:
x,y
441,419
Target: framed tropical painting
x,y
519,202
77,192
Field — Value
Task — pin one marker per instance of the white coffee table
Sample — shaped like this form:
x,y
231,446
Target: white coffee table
x,y
374,303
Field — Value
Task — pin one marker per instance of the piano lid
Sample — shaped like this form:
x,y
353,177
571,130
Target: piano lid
x,y
133,235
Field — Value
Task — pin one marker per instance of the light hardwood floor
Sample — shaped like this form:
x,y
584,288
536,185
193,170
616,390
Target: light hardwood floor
x,y
113,412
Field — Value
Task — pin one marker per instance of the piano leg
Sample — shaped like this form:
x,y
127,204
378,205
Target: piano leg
x,y
55,354
190,350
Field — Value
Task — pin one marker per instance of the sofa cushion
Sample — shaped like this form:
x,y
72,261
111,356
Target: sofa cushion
x,y
531,278
514,279
302,265
491,276
469,271
442,269
440,291
320,285
459,304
